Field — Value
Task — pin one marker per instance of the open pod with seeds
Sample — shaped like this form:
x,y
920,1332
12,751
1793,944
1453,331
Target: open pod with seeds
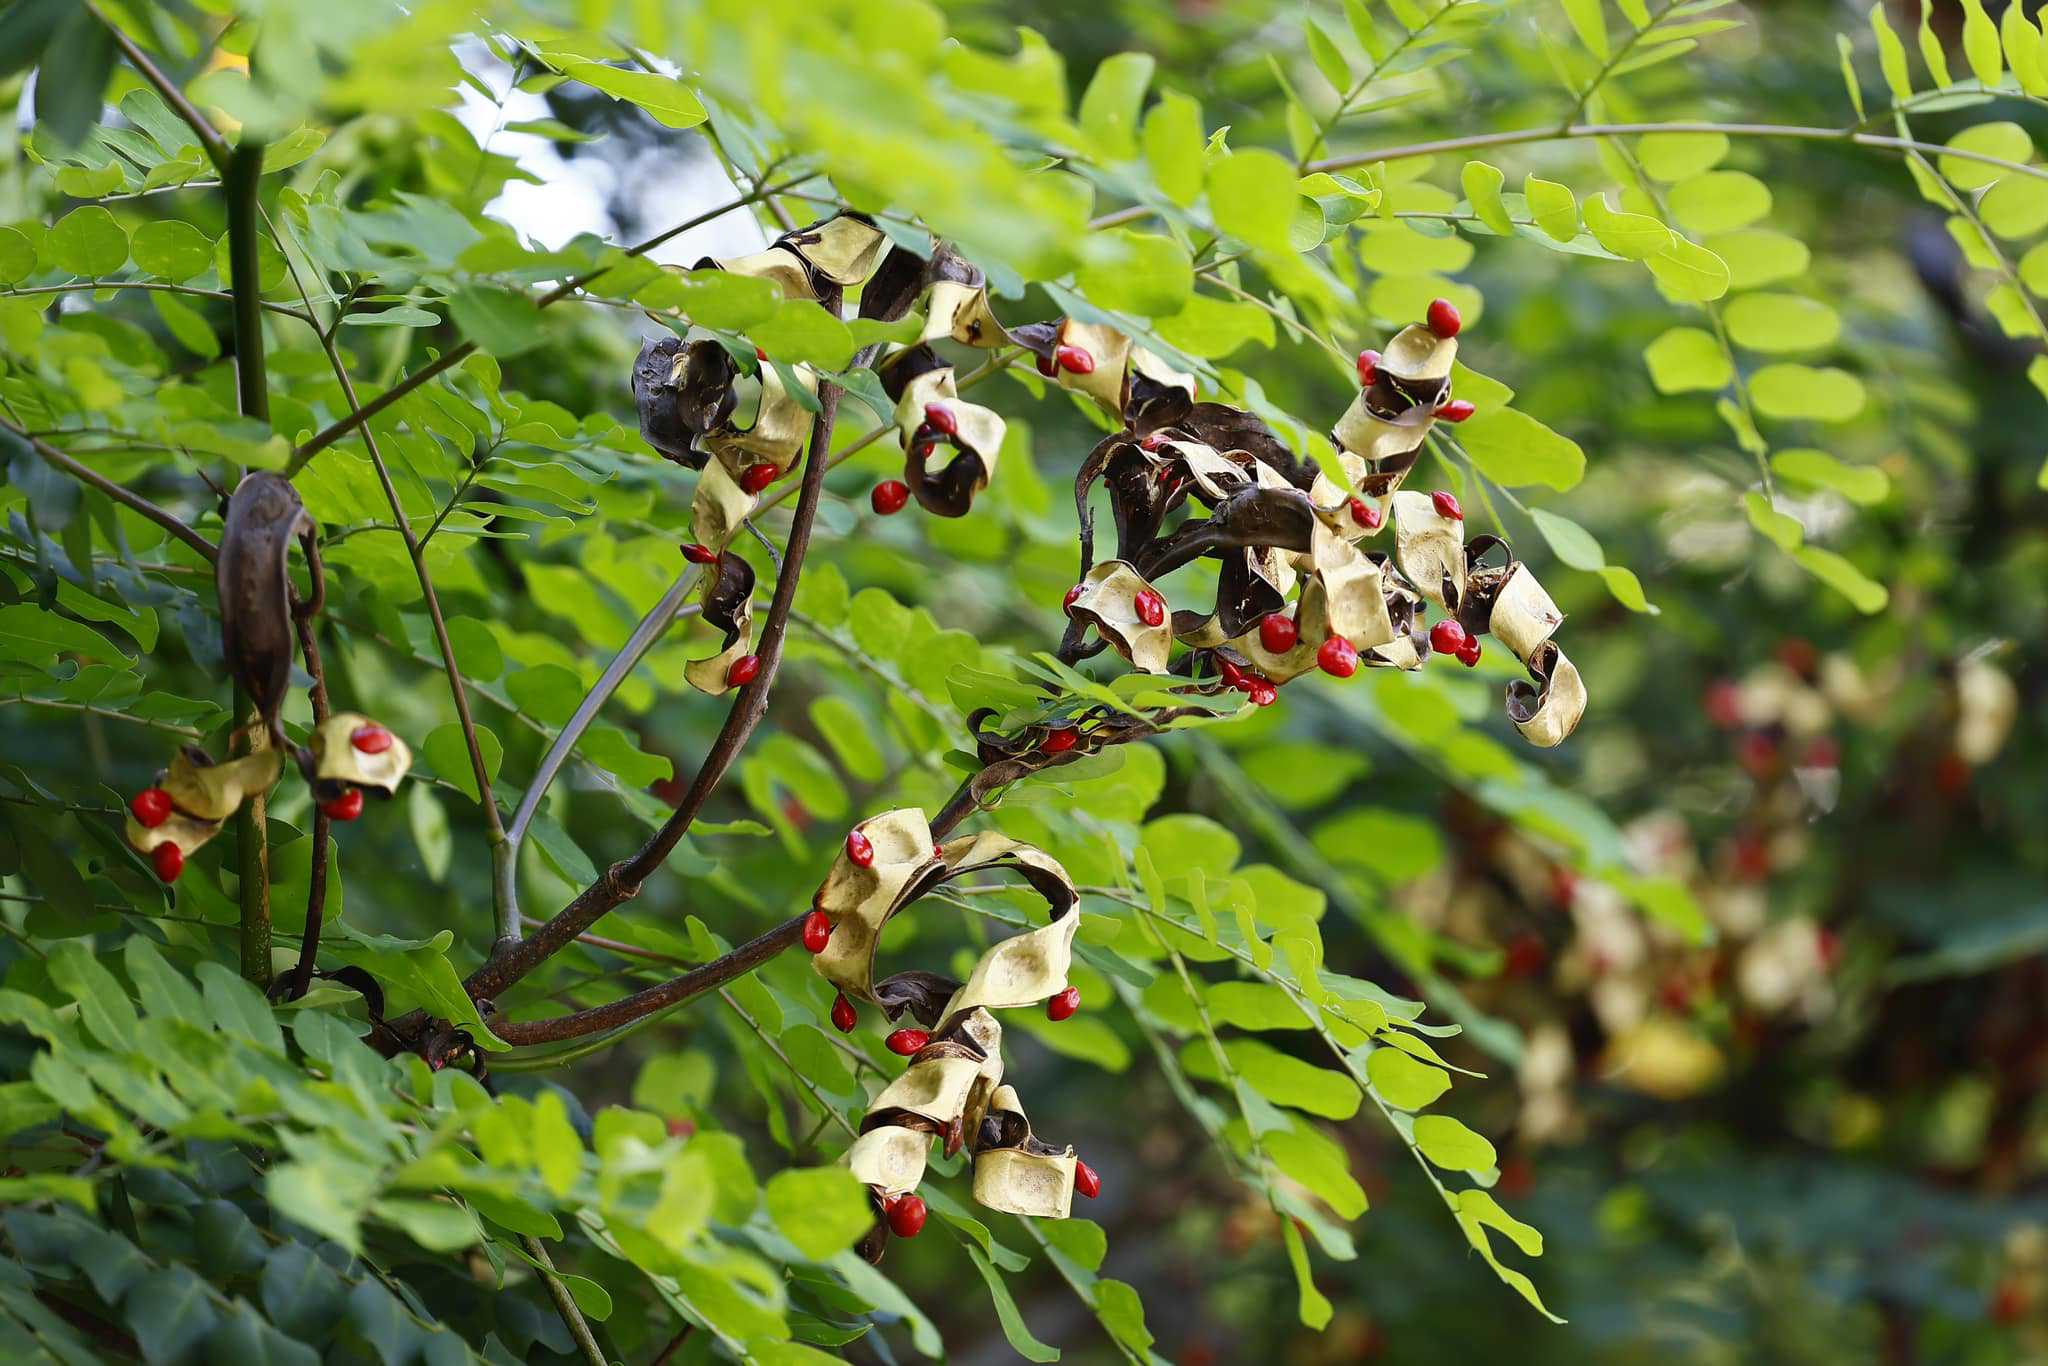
x,y
191,800
728,600
1402,392
1344,592
929,414
258,606
350,752
1128,613
1015,1171
1430,548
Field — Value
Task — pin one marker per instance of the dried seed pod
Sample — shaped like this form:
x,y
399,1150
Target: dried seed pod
x,y
1109,603
334,761
891,1158
1522,616
728,600
203,795
253,579
782,425
1548,710
1344,594
860,899
683,391
1014,1171
718,509
916,379
1430,548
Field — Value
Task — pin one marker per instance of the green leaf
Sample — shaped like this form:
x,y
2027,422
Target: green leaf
x,y
1448,1143
184,323
1720,201
37,637
1821,394
1252,195
1512,448
1688,360
1589,24
1172,136
1405,1082
1759,256
1141,273
1313,1307
1980,44
667,101
1632,236
446,752
1328,57
822,1210
503,322
1552,206
2007,141
1109,107
87,241
102,1005
172,249
1777,323
171,1310
1781,530
1571,542
2016,207
1891,56
1279,1077
418,969
1673,157
1688,271
1021,1341
17,256
1482,182
1864,485
1864,593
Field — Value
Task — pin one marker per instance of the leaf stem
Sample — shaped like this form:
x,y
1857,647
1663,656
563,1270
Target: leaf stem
x,y
210,140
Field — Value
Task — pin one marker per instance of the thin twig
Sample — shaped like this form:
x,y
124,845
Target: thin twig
x,y
153,286
85,474
316,872
565,1303
210,140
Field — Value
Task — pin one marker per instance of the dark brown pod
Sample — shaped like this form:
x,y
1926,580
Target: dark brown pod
x,y
253,579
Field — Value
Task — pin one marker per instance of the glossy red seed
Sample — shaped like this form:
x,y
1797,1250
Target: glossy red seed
x,y
1064,1004
1457,410
906,1215
1468,653
1229,673
1278,633
743,671
843,1018
759,354
1446,505
1447,637
1368,367
346,807
1059,740
817,931
758,477
1366,514
1086,1182
1075,360
1073,596
1153,441
370,739
860,850
940,417
1150,607
1722,703
1443,318
889,496
700,554
168,860
1264,694
1758,753
1047,366
1338,657
904,1042
151,807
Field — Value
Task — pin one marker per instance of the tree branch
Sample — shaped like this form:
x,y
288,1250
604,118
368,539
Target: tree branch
x,y
565,1302
210,140
135,502
316,872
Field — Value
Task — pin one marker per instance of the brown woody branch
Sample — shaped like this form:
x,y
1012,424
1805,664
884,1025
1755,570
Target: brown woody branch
x,y
128,498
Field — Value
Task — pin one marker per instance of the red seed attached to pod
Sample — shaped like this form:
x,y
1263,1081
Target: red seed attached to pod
x,y
1059,740
370,739
1368,367
1338,657
697,553
346,807
889,496
1047,366
906,1215
1231,675
860,850
1150,607
151,807
1086,1182
1264,694
939,417
1447,637
1278,633
843,1018
168,860
817,931
1446,505
1073,596
743,671
1468,653
1064,1004
905,1042
1457,410
1152,441
1366,514
758,477
759,354
1075,360
1444,319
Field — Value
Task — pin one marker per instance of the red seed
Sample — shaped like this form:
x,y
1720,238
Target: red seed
x,y
1447,637
151,807
1722,703
1230,673
169,861
1047,366
1446,505
1338,657
1368,367
1064,1004
1443,318
1151,608
346,807
906,1215
1059,740
860,850
1752,857
1264,694
743,671
1758,753
1457,410
1073,596
1366,515
1468,653
889,496
1526,955
696,553
904,1042
759,354
1152,441
817,931
1277,633
940,417
758,477
1086,1182
1074,359
370,739
1828,945
1821,752
843,1018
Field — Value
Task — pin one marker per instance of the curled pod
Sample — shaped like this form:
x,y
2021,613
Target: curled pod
x,y
923,387
728,605
1547,709
350,751
203,794
1113,601
252,576
1484,582
1015,1171
683,391
1430,549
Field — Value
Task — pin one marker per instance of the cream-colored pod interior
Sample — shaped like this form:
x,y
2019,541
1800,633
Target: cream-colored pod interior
x,y
778,265
961,313
1430,548
710,674
213,792
1108,602
188,834
1021,970
336,758
843,249
890,1157
1523,616
719,508
1361,433
780,427
1111,350
1548,710
860,900
976,428
935,1087
1020,1179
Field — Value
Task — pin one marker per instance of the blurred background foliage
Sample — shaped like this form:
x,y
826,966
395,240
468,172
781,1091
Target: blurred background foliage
x,y
1751,965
